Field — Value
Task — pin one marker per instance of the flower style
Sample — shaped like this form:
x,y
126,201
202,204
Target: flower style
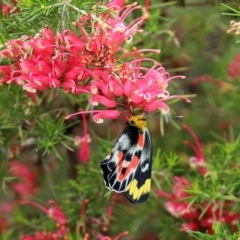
x,y
198,160
83,142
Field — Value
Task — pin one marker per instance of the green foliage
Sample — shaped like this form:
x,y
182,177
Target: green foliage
x,y
221,231
51,133
21,118
32,15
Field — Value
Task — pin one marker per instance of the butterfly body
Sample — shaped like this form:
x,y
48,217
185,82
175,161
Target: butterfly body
x,y
127,169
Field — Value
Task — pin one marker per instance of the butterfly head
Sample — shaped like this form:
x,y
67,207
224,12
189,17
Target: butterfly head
x,y
138,121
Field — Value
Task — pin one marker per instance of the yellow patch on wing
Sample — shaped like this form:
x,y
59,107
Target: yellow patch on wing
x,y
138,192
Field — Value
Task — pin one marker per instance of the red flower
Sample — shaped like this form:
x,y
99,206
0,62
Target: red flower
x,y
25,184
190,226
52,210
6,208
91,63
199,215
234,67
177,203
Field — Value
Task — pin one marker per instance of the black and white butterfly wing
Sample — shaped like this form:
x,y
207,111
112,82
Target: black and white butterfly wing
x,y
139,188
128,168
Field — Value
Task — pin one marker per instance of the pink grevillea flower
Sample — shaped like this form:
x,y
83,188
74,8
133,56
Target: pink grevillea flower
x,y
198,160
219,211
52,210
182,210
92,63
25,184
60,234
93,227
109,212
99,115
6,208
83,142
116,4
43,62
135,87
234,67
207,78
3,224
109,33
190,226
6,9
177,203
65,59
197,215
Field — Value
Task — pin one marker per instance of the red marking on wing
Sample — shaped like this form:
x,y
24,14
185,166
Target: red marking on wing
x,y
140,140
132,166
120,157
120,160
135,162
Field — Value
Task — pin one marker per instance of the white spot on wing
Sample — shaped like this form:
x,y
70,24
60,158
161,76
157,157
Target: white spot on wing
x,y
125,164
145,168
123,142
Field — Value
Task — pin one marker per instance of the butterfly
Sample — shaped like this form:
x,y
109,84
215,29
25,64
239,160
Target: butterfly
x,y
128,168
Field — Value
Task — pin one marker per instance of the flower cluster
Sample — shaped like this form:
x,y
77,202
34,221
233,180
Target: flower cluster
x,y
197,161
24,186
93,63
87,227
83,142
54,212
197,215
